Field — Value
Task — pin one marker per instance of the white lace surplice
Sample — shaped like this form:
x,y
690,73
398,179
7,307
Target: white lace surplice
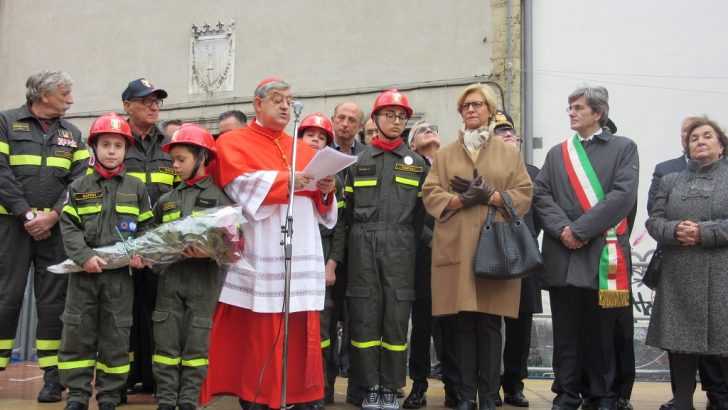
x,y
256,282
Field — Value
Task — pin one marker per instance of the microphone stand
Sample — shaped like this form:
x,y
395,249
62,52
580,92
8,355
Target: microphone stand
x,y
287,243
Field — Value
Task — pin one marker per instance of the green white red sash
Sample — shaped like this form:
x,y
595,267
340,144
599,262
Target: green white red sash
x,y
613,275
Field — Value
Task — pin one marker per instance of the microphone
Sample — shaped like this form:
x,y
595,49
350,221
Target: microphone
x,y
297,107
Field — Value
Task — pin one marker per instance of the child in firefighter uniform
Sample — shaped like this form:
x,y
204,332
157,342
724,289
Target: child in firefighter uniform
x,y
102,208
384,205
188,290
317,132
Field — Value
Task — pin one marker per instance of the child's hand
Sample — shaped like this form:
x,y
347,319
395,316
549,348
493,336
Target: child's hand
x,y
136,262
194,251
94,264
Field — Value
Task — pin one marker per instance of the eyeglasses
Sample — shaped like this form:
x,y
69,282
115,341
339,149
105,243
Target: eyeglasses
x,y
148,102
431,127
278,99
390,116
575,107
476,105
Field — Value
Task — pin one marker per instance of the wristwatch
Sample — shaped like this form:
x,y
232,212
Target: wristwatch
x,y
29,216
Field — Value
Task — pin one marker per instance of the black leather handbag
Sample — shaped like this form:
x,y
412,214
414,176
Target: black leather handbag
x,y
506,250
651,277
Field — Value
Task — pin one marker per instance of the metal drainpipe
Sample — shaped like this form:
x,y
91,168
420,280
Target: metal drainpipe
x,y
527,78
509,56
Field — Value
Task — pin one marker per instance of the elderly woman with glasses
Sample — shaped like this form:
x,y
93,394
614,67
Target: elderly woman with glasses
x,y
467,176
689,220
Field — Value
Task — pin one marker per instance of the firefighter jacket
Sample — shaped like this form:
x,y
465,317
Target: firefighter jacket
x,y
99,210
333,240
36,166
151,165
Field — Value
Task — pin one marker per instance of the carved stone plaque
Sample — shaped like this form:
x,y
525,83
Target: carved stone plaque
x,y
212,58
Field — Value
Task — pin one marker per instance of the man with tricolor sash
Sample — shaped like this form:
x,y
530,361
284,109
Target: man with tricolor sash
x,y
40,154
584,195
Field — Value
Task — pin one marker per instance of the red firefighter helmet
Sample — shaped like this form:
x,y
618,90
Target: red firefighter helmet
x,y
317,120
193,134
392,98
110,123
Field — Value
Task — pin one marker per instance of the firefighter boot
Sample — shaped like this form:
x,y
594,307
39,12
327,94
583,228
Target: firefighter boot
x,y
52,389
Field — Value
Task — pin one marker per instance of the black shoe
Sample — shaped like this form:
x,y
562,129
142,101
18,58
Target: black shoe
x,y
389,400
167,407
187,406
107,405
624,404
487,405
416,399
451,397
498,401
716,405
76,405
465,405
668,405
52,389
516,398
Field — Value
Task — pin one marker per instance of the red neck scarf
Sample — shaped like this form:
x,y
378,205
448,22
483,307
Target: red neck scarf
x,y
386,145
106,173
194,180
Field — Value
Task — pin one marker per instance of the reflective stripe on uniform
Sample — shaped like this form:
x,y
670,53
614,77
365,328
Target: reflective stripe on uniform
x,y
169,361
394,348
419,194
4,361
365,182
57,162
171,217
348,188
80,154
341,204
365,345
89,170
326,343
16,160
86,210
195,362
160,178
76,364
131,356
48,361
71,211
146,215
126,209
407,181
4,148
113,370
139,175
3,211
6,344
47,344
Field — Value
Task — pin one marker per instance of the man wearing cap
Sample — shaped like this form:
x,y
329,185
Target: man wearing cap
x,y
583,198
145,160
40,154
518,331
246,342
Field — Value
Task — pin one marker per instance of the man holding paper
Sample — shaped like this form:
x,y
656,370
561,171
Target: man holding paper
x,y
245,348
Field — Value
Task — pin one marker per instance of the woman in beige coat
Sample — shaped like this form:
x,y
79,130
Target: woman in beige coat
x,y
468,175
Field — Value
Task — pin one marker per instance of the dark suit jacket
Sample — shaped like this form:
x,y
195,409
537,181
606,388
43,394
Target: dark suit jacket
x,y
531,285
662,169
616,164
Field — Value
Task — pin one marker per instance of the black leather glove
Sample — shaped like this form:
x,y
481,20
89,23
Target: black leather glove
x,y
478,192
459,184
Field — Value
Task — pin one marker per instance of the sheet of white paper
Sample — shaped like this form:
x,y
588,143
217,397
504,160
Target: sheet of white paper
x,y
327,161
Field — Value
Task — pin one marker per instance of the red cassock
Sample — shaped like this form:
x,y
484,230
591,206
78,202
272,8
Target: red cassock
x,y
246,347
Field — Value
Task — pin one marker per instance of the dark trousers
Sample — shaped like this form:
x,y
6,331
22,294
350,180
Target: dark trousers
x,y
624,350
419,358
17,251
444,335
582,331
712,378
479,355
683,367
515,352
141,342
